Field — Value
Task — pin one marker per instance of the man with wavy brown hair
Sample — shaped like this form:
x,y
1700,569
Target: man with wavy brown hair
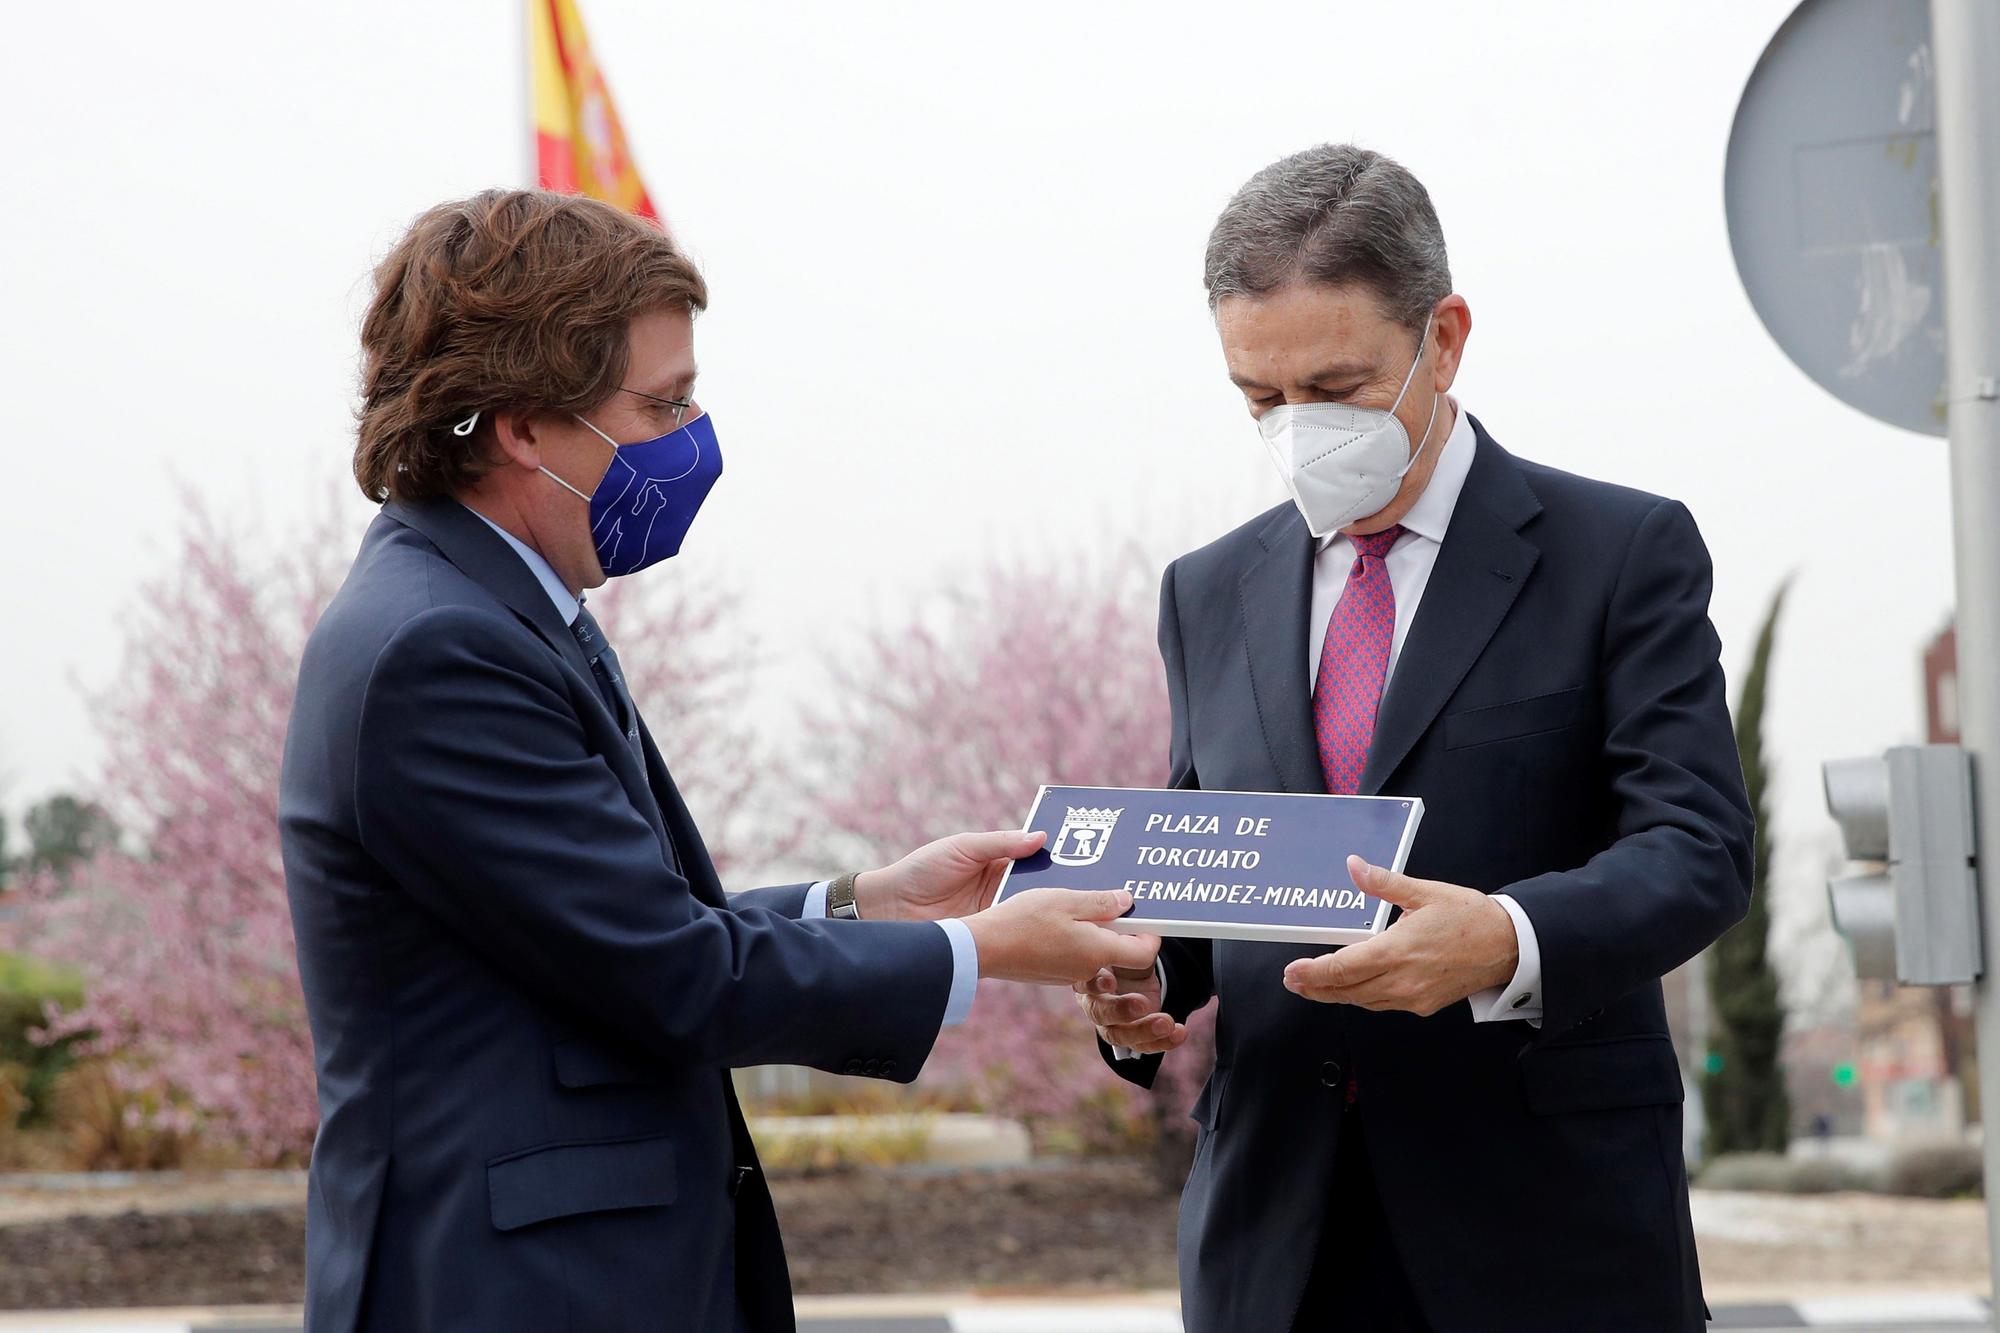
x,y
525,982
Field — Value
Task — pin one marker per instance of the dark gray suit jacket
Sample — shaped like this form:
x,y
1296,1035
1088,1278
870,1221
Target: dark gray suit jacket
x,y
1559,707
525,984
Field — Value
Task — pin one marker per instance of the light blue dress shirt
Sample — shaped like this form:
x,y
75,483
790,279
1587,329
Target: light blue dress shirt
x,y
964,952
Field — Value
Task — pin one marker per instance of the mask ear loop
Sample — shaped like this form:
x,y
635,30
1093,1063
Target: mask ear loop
x,y
1431,421
467,426
1409,376
1424,443
565,485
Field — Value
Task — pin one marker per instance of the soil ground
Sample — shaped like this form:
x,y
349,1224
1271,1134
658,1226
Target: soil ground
x,y
232,1240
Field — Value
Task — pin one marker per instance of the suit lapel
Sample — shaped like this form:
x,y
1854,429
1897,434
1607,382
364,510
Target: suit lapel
x,y
1276,598
479,551
683,839
1481,567
476,549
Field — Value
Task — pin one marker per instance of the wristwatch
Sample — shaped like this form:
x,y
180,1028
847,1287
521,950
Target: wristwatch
x,y
840,904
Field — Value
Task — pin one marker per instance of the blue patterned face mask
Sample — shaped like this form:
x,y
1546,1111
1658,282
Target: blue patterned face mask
x,y
640,513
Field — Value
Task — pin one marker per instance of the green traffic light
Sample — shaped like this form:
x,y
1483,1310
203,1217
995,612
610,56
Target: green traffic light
x,y
1714,1062
1844,1076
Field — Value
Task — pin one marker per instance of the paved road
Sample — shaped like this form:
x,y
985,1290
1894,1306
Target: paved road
x,y
1898,1314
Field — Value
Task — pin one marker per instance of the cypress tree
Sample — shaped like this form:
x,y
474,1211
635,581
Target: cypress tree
x,y
1743,1090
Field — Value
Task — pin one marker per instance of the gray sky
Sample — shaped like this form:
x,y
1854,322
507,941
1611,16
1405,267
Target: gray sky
x,y
955,256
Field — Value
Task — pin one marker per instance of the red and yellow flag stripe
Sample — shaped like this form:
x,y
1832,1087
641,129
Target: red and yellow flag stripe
x,y
579,142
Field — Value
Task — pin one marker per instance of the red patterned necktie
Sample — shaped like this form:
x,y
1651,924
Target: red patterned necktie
x,y
1353,663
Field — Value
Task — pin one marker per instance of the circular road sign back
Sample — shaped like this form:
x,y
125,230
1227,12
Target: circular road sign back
x,y
1831,194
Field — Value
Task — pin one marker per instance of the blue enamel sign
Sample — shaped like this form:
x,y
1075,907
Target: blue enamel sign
x,y
1224,864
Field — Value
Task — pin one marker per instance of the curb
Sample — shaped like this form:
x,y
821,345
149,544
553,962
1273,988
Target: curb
x,y
1154,1312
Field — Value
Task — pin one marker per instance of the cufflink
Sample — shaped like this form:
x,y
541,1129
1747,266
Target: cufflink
x,y
1521,1001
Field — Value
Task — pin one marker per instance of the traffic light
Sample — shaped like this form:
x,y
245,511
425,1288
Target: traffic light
x,y
1913,915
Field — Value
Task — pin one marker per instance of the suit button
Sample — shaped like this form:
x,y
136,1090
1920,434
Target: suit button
x,y
1329,1074
873,1068
888,1069
853,1067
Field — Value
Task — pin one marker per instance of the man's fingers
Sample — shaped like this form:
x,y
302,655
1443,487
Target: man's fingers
x,y
1101,984
1388,990
1378,992
1342,968
1325,972
1000,845
1108,1010
1107,905
1371,958
1152,1037
1389,886
1371,994
1133,951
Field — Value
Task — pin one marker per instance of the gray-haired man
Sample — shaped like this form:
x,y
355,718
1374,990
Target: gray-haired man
x,y
1470,1124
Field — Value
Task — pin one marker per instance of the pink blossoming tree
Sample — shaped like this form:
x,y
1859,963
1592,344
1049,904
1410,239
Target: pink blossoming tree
x,y
1028,675
182,934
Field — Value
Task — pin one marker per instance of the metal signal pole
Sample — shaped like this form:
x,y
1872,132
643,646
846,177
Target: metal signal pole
x,y
1965,45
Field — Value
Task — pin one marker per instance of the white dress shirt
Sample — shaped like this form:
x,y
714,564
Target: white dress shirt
x,y
1410,563
569,605
964,951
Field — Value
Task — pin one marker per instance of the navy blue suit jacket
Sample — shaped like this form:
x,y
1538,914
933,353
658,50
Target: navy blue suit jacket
x,y
525,983
1559,707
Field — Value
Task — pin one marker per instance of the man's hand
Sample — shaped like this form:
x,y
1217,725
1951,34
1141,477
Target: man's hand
x,y
1051,937
1449,943
1124,1003
955,876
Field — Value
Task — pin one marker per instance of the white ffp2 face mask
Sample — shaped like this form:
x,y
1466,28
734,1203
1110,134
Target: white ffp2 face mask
x,y
1343,463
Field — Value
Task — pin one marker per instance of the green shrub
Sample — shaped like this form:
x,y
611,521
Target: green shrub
x,y
874,1142
105,1126
1775,1173
1827,1175
1937,1171
27,986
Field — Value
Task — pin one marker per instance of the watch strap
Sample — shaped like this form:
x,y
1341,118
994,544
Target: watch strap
x,y
840,904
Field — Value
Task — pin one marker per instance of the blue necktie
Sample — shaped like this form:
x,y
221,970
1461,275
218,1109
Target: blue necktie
x,y
610,680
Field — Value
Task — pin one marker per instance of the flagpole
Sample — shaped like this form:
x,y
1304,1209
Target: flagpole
x,y
524,88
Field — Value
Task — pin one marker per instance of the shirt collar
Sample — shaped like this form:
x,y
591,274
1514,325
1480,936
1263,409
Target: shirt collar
x,y
1431,514
568,605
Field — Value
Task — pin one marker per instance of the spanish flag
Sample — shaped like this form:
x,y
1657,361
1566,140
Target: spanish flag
x,y
579,144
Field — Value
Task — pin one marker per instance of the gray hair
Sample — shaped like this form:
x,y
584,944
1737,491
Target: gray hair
x,y
1332,214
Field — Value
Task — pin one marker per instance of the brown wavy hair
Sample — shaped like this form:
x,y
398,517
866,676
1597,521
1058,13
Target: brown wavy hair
x,y
512,300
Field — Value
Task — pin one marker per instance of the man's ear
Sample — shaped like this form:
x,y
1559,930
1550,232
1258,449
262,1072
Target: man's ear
x,y
1452,325
515,439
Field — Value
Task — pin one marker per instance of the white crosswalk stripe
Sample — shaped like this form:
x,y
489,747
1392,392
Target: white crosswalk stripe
x,y
1063,1319
1898,1313
1915,1309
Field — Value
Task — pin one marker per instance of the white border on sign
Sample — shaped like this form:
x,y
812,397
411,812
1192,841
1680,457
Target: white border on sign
x,y
1235,930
